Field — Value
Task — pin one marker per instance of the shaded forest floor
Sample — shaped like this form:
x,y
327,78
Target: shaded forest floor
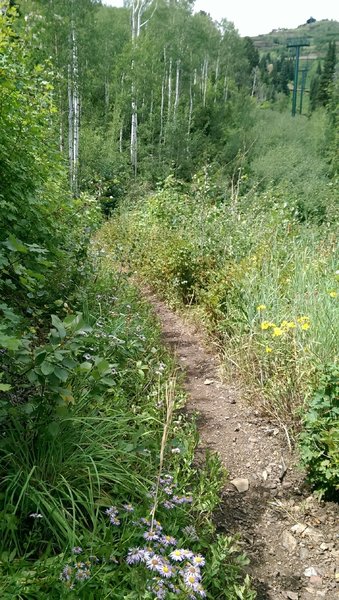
x,y
290,538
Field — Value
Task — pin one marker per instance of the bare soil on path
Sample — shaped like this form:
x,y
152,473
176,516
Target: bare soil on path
x,y
292,540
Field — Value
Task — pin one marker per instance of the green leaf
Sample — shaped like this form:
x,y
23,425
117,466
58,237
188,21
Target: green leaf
x,y
46,368
9,342
12,243
5,387
59,326
61,374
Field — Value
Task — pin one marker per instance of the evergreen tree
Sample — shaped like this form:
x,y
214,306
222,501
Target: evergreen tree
x,y
327,75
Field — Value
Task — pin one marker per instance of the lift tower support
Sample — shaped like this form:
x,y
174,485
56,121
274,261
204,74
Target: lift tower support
x,y
297,44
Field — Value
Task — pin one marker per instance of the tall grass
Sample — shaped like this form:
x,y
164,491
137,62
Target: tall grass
x,y
224,259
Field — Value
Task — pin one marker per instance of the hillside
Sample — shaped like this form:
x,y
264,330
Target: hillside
x,y
319,33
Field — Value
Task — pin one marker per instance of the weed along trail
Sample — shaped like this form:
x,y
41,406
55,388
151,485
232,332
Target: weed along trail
x,y
290,538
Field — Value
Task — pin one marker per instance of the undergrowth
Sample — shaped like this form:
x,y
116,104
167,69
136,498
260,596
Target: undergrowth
x,y
80,460
258,273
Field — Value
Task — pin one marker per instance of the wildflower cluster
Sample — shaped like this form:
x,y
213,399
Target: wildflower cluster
x,y
167,487
175,570
77,570
301,323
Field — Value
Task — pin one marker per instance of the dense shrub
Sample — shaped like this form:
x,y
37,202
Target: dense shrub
x,y
319,441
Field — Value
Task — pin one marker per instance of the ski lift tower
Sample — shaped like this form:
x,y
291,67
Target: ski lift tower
x,y
297,44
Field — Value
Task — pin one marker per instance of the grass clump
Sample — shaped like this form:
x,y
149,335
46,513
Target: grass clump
x,y
88,475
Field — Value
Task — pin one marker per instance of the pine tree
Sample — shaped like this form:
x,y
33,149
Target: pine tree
x,y
327,75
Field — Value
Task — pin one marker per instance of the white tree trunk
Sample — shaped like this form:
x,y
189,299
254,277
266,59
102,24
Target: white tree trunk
x,y
138,8
76,112
190,111
70,126
169,89
73,114
177,80
162,102
205,79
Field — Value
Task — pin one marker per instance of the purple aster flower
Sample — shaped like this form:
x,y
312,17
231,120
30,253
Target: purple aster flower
x,y
192,570
82,574
198,560
158,525
111,511
36,516
168,505
168,490
128,508
178,555
200,590
166,479
66,573
191,581
77,550
114,520
151,535
168,540
165,569
154,562
134,556
176,451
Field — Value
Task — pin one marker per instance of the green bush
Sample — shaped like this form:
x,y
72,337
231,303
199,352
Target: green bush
x,y
319,442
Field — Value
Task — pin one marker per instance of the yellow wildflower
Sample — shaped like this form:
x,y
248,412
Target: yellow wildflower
x,y
303,319
305,326
277,331
266,325
333,294
291,325
261,307
268,349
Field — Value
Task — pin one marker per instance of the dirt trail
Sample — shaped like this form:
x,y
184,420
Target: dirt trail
x,y
291,539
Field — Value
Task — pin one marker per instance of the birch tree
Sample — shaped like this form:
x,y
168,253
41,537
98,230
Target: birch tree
x,y
138,8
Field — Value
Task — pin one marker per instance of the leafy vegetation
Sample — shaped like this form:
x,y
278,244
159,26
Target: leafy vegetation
x,y
319,441
94,450
163,127
257,264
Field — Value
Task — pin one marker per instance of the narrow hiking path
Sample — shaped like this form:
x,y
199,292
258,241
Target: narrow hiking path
x,y
291,539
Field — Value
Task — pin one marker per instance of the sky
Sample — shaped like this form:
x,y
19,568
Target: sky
x,y
252,17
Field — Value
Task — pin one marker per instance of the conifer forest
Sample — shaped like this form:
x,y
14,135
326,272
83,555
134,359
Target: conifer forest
x,y
150,146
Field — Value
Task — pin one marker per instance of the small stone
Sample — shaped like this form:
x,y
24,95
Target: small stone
x,y
304,553
241,485
316,580
264,475
288,541
292,595
310,572
208,381
324,546
299,528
